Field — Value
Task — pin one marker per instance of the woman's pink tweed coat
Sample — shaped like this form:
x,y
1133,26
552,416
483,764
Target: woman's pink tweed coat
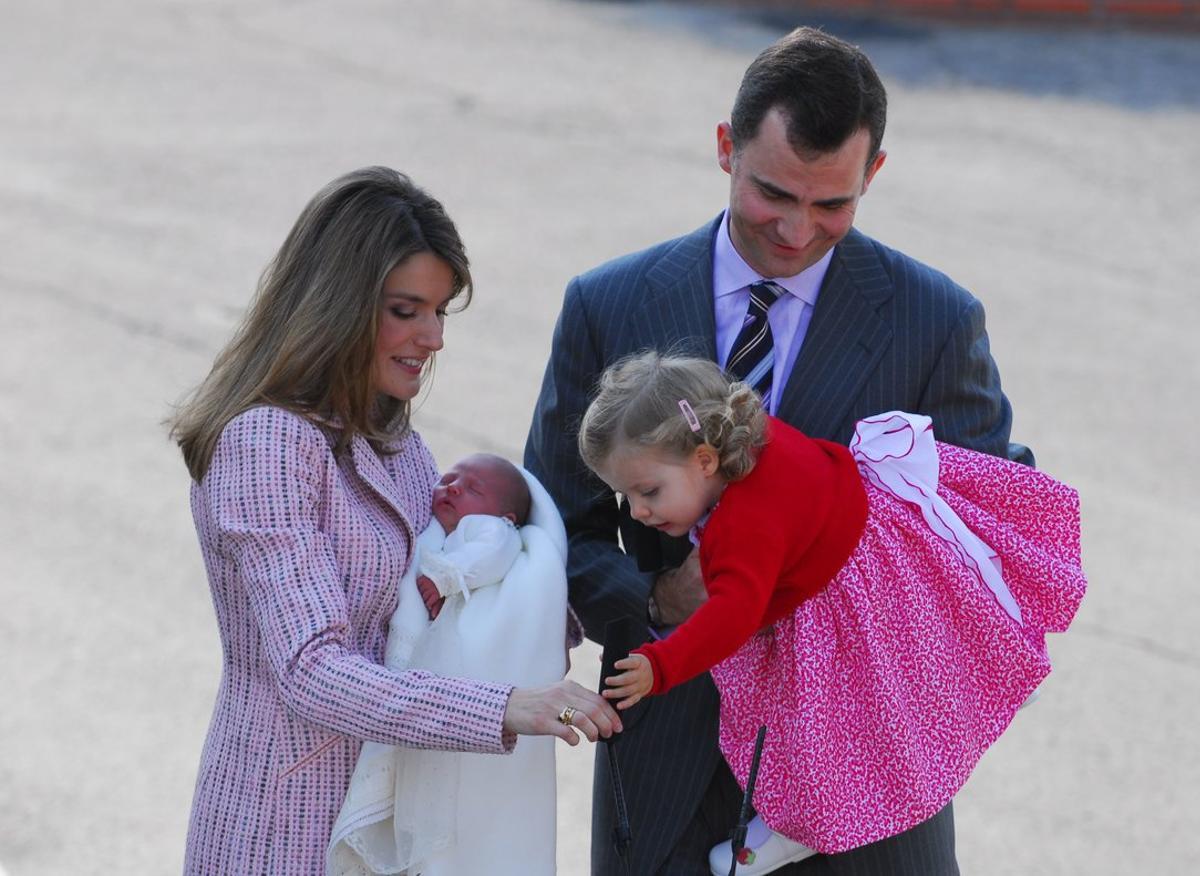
x,y
304,552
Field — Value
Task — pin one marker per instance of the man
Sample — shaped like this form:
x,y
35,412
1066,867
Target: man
x,y
856,329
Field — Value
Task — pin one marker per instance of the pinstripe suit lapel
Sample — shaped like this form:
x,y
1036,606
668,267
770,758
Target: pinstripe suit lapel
x,y
678,308
845,340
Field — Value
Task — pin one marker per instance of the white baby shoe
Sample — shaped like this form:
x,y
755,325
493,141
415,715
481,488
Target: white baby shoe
x,y
765,851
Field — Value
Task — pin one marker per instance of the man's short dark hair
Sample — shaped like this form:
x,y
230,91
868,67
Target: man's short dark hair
x,y
826,88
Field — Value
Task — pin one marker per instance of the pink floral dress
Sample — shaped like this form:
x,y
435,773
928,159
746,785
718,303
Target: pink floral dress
x,y
882,692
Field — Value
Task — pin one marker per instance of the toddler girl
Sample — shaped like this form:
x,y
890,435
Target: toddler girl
x,y
881,608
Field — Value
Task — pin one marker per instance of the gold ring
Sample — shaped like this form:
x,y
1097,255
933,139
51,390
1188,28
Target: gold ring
x,y
565,716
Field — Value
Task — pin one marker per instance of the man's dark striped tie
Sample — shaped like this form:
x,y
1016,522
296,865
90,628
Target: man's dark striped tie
x,y
753,356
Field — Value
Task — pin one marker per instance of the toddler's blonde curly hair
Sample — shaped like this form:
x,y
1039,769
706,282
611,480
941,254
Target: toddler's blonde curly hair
x,y
638,404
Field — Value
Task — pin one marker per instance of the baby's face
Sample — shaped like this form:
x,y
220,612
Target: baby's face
x,y
472,486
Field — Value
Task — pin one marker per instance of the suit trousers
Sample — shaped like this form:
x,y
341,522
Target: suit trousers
x,y
924,850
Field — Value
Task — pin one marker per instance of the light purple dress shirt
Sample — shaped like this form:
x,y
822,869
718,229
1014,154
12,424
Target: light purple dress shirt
x,y
789,316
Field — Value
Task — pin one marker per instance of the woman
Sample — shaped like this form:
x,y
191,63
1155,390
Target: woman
x,y
309,488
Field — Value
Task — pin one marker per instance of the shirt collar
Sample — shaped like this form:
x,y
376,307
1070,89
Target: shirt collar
x,y
731,273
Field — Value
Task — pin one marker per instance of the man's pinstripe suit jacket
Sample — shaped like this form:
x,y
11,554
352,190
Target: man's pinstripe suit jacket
x,y
888,333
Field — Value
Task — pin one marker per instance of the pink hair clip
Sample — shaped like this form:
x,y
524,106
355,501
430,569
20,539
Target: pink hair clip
x,y
689,415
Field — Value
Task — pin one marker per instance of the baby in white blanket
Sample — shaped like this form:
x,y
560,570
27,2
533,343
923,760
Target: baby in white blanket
x,y
485,598
479,503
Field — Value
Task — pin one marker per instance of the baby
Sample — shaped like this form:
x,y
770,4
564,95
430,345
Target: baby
x,y
479,503
486,598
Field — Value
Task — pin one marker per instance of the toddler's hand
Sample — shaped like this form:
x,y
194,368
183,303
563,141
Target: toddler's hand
x,y
632,684
430,596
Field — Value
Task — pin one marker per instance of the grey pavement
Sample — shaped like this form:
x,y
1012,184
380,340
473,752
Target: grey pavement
x,y
154,154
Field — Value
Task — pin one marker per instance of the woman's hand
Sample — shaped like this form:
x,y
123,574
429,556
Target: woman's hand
x,y
539,711
632,684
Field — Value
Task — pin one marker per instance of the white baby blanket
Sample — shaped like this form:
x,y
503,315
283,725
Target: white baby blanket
x,y
434,813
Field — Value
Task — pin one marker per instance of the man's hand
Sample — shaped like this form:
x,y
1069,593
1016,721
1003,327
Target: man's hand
x,y
632,684
679,592
430,596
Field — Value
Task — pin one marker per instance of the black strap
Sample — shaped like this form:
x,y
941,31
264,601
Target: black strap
x,y
737,840
618,641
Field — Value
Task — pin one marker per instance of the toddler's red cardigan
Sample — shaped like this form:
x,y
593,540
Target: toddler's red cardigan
x,y
775,538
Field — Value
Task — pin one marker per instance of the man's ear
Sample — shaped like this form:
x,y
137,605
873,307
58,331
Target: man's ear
x,y
725,146
873,168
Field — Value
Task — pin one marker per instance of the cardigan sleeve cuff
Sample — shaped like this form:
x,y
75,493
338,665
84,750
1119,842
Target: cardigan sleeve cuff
x,y
660,677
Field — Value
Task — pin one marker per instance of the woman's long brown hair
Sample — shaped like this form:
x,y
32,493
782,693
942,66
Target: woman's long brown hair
x,y
307,341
